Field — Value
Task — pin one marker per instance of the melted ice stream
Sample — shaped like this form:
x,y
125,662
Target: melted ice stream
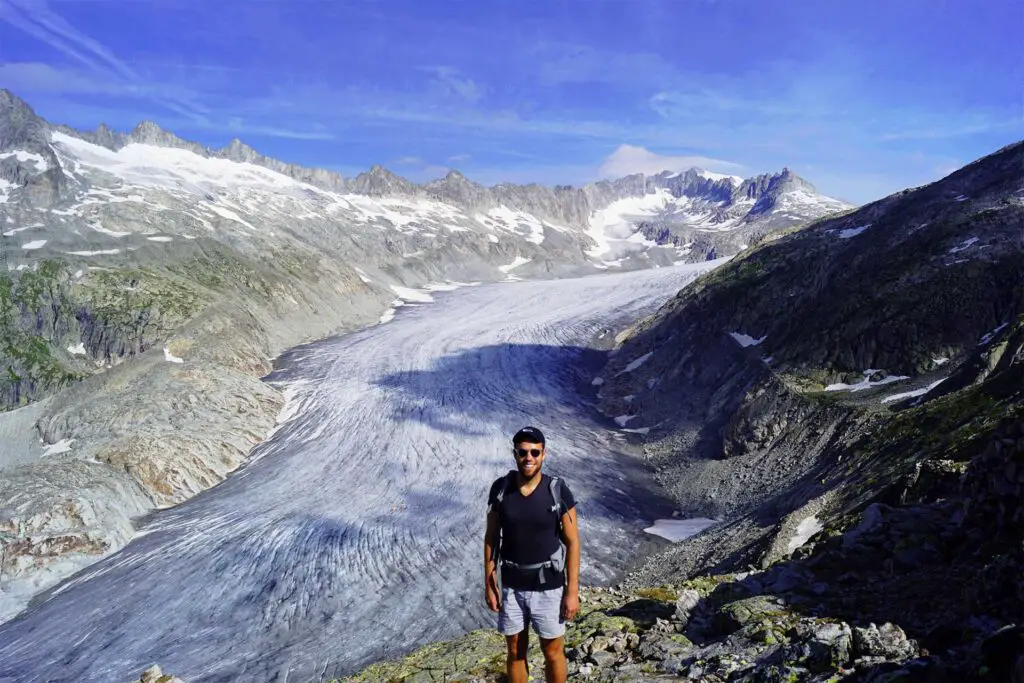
x,y
356,531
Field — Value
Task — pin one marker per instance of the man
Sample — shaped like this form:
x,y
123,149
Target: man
x,y
539,583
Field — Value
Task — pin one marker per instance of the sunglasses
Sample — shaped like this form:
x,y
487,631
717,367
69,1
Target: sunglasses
x,y
523,452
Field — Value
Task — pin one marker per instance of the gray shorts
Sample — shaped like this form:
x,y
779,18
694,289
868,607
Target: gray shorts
x,y
543,610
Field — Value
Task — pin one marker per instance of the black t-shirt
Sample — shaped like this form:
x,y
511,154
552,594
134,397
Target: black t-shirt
x,y
529,527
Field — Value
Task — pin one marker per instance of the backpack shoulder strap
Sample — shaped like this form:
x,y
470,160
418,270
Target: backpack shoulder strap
x,y
506,486
556,494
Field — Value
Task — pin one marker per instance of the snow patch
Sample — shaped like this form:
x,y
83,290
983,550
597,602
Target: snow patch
x,y
388,316
102,252
914,393
62,446
15,231
36,244
612,229
622,420
710,175
865,383
113,233
160,238
171,358
231,216
633,365
676,530
807,528
519,261
852,232
5,188
746,340
519,222
408,294
23,156
963,246
77,350
988,337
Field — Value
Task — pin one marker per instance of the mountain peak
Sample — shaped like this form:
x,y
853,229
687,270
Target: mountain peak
x,y
20,126
236,150
149,133
147,129
380,181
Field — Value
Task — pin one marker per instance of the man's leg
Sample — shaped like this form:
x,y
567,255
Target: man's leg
x,y
515,661
545,608
513,625
554,659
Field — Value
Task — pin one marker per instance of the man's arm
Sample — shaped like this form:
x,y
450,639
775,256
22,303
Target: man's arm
x,y
571,538
491,537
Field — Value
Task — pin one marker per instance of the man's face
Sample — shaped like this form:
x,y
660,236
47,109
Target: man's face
x,y
529,457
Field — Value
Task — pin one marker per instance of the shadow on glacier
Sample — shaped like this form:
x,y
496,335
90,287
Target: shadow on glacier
x,y
496,389
468,391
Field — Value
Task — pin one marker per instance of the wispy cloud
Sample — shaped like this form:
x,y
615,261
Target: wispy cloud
x,y
629,159
970,123
561,63
35,18
449,81
459,158
408,161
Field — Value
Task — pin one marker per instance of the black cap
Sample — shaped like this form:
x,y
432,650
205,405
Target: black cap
x,y
529,435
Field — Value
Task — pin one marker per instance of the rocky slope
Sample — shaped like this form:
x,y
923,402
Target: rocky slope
x,y
919,581
849,400
200,266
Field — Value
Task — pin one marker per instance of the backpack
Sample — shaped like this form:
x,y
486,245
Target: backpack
x,y
556,564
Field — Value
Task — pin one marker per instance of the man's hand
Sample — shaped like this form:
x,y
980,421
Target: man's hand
x,y
570,604
491,592
493,600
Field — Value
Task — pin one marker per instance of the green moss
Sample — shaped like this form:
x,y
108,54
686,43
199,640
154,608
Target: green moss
x,y
680,639
135,299
6,304
30,361
479,653
705,585
660,593
219,271
597,622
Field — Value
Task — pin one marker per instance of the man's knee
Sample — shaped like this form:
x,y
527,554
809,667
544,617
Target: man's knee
x,y
518,644
553,648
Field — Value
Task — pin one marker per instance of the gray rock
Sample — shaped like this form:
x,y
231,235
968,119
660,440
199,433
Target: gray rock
x,y
888,641
599,644
735,615
603,658
685,605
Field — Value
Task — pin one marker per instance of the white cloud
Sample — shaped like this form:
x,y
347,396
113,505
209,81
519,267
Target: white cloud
x,y
409,161
628,159
448,80
459,158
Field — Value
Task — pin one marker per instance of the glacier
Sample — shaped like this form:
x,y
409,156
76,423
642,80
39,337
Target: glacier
x,y
355,531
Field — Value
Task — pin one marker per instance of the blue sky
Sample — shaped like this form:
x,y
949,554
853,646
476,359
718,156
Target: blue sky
x,y
862,98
